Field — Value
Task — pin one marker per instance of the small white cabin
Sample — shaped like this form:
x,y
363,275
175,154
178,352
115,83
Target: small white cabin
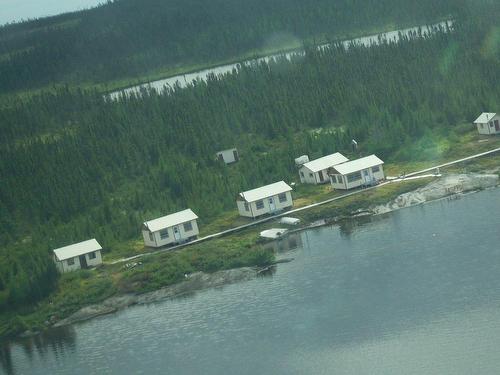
x,y
355,173
316,171
301,160
228,156
488,123
77,256
171,229
265,200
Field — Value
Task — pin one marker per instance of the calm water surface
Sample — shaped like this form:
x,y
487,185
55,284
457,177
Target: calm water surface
x,y
416,291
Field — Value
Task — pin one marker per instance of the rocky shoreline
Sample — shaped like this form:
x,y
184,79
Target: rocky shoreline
x,y
442,187
194,282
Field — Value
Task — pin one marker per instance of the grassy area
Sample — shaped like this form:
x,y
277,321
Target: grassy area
x,y
438,148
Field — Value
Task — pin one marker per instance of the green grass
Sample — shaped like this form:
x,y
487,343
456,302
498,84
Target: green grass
x,y
440,147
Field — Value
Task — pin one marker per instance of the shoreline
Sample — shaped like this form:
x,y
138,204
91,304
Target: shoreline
x,y
451,185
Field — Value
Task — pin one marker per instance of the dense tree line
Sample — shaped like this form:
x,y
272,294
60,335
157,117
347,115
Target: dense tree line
x,y
76,165
128,38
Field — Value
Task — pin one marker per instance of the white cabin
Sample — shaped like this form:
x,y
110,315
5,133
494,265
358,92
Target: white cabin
x,y
77,256
228,156
488,123
355,173
265,200
171,229
316,171
301,160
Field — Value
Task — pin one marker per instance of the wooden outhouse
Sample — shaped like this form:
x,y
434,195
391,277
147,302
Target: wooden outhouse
x,y
228,156
488,123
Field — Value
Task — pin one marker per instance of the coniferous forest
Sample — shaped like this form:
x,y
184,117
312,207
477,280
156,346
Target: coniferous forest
x,y
127,38
75,165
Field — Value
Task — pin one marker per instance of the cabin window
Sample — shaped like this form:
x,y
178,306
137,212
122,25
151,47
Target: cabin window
x,y
354,177
375,169
71,261
301,174
164,233
491,124
282,197
259,204
188,227
365,172
151,238
339,179
92,255
311,175
247,208
482,126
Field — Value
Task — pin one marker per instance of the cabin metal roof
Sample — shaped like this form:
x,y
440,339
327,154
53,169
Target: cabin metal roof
x,y
170,220
325,162
228,150
265,191
358,165
485,117
77,249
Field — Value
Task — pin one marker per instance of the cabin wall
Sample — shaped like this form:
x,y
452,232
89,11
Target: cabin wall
x,y
490,127
147,240
307,176
96,261
242,211
483,128
64,266
334,181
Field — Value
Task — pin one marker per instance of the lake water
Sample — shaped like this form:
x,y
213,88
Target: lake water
x,y
183,80
416,291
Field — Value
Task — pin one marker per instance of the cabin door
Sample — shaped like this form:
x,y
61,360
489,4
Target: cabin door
x,y
321,178
497,126
177,234
235,154
366,177
272,206
83,261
